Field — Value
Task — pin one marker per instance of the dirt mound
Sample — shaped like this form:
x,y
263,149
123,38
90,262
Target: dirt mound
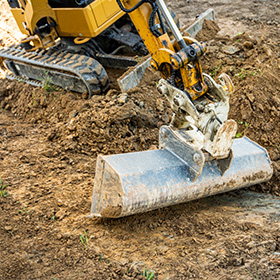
x,y
114,123
254,67
209,30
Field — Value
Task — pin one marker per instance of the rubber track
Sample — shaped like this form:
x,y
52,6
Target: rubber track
x,y
87,69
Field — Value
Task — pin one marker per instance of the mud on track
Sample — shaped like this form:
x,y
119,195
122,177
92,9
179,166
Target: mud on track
x,y
48,146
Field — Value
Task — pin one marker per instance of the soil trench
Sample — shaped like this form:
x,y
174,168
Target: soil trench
x,y
50,139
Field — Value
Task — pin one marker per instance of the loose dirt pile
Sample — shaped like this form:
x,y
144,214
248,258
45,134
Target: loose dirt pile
x,y
254,66
49,140
113,123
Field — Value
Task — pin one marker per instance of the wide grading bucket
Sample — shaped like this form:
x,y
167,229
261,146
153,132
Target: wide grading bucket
x,y
131,183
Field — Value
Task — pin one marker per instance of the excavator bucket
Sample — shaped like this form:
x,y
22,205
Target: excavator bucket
x,y
131,183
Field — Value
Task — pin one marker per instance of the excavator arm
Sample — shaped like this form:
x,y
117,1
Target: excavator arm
x,y
179,61
200,105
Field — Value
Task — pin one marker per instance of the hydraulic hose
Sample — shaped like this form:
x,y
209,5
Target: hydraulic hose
x,y
133,8
152,18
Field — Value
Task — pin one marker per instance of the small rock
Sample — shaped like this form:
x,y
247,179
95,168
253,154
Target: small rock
x,y
37,228
61,214
141,104
153,147
47,153
123,98
59,202
221,55
248,45
95,250
267,127
260,106
69,243
264,138
51,135
71,125
230,49
267,50
8,228
237,261
112,93
251,97
160,105
85,95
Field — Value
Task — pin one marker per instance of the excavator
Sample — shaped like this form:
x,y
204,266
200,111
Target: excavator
x,y
72,41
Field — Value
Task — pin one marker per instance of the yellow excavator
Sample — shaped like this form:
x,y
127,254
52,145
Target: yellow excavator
x,y
72,40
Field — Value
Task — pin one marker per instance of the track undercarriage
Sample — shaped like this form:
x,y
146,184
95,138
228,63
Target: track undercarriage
x,y
74,65
75,72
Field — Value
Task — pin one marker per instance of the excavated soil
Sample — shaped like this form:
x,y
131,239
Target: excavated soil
x,y
50,139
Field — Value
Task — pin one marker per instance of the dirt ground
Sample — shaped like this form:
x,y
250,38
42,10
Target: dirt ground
x,y
49,141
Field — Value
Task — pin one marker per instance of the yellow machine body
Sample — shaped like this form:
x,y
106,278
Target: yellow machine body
x,y
89,21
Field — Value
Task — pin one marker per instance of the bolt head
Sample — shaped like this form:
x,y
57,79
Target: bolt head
x,y
176,101
197,158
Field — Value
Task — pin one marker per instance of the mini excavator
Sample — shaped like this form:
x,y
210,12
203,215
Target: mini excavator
x,y
73,40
